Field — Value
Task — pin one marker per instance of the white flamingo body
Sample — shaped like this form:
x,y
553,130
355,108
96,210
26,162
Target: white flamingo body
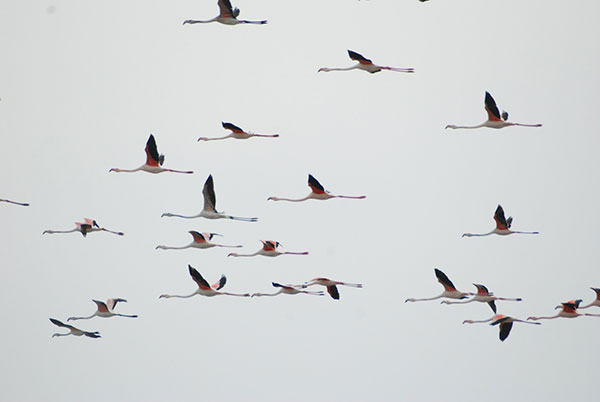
x,y
503,226
505,324
483,295
237,133
365,65
318,192
227,16
73,330
596,302
201,240
85,227
568,310
288,290
450,291
104,310
331,286
154,161
269,249
495,119
209,211
204,289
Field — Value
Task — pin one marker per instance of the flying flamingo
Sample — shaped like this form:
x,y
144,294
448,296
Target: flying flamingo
x,y
366,65
237,133
227,16
318,192
210,206
288,290
85,227
104,310
494,119
449,289
502,226
330,285
483,295
596,302
23,204
201,240
505,322
153,163
204,288
73,330
269,249
568,310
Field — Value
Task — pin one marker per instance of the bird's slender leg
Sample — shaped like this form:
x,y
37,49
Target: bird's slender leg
x,y
235,294
265,135
526,125
358,197
178,171
237,218
296,252
514,231
128,316
23,204
399,70
110,231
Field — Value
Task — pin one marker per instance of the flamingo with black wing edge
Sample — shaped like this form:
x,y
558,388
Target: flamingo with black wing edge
x,y
288,290
483,295
505,322
450,290
201,240
85,227
503,226
318,192
366,65
269,249
204,288
237,133
73,330
227,16
105,310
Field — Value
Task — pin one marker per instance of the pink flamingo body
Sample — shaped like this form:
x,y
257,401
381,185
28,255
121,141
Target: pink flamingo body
x,y
568,310
201,240
269,249
495,120
288,290
104,310
483,295
85,227
366,65
227,16
331,286
204,289
318,192
237,133
505,322
154,161
449,292
503,226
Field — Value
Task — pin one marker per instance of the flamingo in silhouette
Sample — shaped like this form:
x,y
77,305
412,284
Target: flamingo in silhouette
x,y
366,65
227,16
288,290
201,240
104,310
318,192
153,163
237,133
269,249
495,120
210,206
330,285
483,295
449,289
596,302
504,321
568,310
502,226
23,204
73,330
204,288
85,227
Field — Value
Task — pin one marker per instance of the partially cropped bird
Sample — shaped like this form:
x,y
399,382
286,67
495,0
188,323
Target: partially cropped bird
x,y
318,192
504,321
85,227
23,204
269,249
153,163
567,310
227,16
502,228
495,120
288,290
236,133
210,206
366,65
105,310
73,330
596,301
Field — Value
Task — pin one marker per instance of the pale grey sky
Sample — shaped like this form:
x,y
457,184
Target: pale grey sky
x,y
84,85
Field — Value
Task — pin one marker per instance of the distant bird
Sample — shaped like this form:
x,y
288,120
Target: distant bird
x,y
153,163
73,330
204,288
483,295
269,249
596,302
366,65
201,240
502,226
330,285
495,120
288,290
449,289
104,310
504,321
85,227
227,16
23,204
210,206
318,193
237,133
568,310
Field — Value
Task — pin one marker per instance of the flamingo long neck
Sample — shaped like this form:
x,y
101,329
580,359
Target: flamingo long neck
x,y
594,303
199,21
291,199
427,299
168,214
174,248
477,234
214,138
59,334
327,69
267,294
23,204
477,321
466,127
177,296
126,170
244,255
61,231
544,318
82,318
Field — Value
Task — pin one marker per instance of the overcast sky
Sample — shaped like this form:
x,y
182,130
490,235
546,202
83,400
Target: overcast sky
x,y
84,83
